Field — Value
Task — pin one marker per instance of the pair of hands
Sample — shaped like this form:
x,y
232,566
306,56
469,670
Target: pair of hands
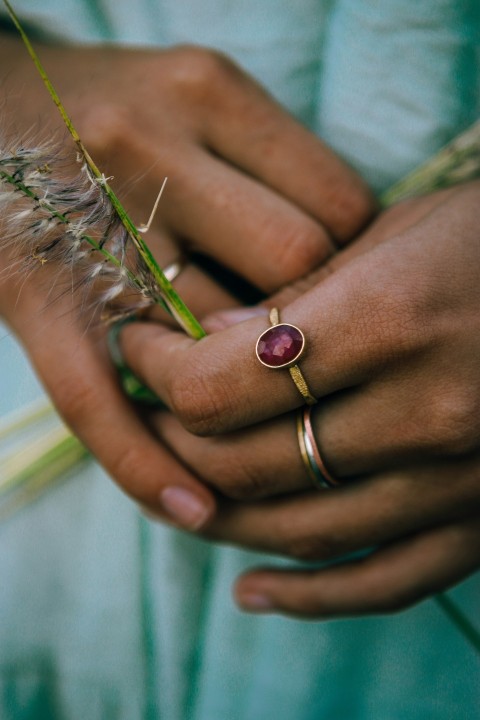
x,y
393,330
391,321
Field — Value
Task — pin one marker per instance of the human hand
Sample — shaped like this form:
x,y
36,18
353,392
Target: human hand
x,y
247,185
394,345
142,115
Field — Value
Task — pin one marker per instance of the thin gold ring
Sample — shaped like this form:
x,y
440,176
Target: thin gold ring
x,y
309,450
280,346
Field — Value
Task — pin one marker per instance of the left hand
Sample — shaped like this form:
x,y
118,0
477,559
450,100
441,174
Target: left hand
x,y
395,348
228,147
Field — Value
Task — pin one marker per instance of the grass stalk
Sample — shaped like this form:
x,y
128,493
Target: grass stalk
x,y
25,476
169,296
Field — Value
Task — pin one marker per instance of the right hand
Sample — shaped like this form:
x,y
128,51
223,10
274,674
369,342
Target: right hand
x,y
394,349
248,185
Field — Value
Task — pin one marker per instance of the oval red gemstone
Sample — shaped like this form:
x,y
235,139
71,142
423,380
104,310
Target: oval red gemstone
x,y
280,345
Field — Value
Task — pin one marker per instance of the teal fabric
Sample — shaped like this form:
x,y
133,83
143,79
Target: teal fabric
x,y
103,615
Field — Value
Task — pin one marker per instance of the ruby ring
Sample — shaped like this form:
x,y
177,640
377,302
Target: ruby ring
x,y
280,347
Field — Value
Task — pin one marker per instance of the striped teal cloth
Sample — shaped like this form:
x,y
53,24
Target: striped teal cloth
x,y
104,616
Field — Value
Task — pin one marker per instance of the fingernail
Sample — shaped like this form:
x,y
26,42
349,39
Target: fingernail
x,y
226,318
184,507
255,602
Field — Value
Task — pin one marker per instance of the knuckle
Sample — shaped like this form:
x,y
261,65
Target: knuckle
x,y
383,592
77,400
201,400
298,253
454,421
106,125
197,71
313,546
240,480
127,467
393,319
307,602
351,204
229,469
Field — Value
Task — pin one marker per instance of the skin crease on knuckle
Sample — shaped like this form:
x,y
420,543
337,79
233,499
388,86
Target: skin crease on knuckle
x,y
76,398
299,251
200,398
228,469
393,321
134,475
303,544
239,480
351,205
314,547
454,419
106,126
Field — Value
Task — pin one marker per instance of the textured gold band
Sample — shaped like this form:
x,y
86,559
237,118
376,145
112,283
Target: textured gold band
x,y
301,383
274,316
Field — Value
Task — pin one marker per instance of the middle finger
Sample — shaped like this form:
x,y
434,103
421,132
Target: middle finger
x,y
258,462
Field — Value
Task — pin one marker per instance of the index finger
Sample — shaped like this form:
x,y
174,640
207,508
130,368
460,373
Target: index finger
x,y
351,323
255,133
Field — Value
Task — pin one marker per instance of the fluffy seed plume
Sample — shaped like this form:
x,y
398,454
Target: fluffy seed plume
x,y
105,212
51,215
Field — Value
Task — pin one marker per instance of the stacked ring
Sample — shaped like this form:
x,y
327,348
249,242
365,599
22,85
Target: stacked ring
x,y
312,459
280,347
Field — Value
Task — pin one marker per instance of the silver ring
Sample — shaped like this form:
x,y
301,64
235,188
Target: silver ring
x,y
173,269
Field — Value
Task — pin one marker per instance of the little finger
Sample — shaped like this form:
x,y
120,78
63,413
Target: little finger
x,y
388,580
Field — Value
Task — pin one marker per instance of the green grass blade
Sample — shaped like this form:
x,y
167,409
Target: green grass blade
x,y
458,162
460,620
41,471
21,419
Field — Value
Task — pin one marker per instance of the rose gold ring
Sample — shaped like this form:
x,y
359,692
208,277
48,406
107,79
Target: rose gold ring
x,y
280,347
309,450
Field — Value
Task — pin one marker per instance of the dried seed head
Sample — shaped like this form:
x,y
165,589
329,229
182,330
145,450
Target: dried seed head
x,y
52,215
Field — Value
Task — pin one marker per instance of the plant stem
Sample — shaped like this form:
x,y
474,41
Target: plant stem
x,y
66,221
458,162
169,296
25,417
46,462
459,619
